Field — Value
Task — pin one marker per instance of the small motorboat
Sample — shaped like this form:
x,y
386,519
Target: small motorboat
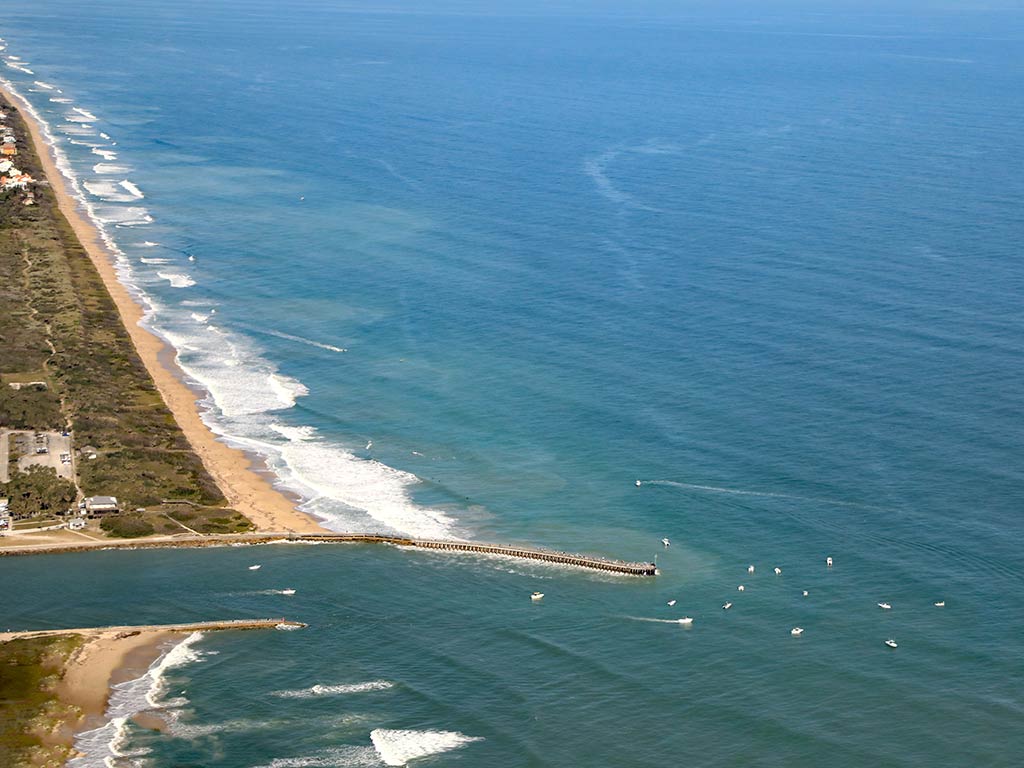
x,y
255,567
806,593
637,483
727,606
828,562
287,591
537,596
666,542
750,569
671,602
796,631
740,588
940,604
686,621
885,606
891,643
778,571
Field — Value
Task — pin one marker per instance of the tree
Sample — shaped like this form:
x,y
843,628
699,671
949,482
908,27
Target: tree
x,y
39,491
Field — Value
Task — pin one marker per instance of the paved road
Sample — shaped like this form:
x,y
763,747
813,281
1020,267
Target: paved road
x,y
3,456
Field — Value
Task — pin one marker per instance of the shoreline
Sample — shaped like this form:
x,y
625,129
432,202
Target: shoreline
x,y
103,658
238,475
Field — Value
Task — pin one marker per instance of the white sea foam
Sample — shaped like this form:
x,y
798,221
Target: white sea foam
x,y
19,67
46,86
144,260
108,168
85,113
77,129
61,100
303,340
398,747
121,216
335,757
334,690
177,279
108,191
286,389
328,473
104,136
73,117
199,318
297,434
100,747
132,190
106,154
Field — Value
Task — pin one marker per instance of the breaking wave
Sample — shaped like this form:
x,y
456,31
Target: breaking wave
x,y
397,747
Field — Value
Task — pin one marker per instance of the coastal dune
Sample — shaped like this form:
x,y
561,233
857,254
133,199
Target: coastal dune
x,y
245,489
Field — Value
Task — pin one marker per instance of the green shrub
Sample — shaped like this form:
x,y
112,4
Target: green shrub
x,y
127,526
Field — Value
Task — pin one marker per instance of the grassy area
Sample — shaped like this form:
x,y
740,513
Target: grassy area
x,y
30,670
58,319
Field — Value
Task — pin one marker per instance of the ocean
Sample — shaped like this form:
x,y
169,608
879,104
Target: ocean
x,y
457,269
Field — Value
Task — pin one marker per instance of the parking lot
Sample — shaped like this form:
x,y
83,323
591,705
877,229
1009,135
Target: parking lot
x,y
47,449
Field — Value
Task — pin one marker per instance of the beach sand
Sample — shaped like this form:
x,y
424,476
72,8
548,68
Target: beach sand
x,y
108,657
245,489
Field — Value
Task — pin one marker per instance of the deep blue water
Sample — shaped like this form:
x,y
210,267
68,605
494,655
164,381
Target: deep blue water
x,y
765,260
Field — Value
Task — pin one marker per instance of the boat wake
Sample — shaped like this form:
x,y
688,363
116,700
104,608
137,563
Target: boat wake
x,y
334,690
764,494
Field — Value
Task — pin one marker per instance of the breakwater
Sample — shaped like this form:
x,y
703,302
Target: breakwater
x,y
193,626
520,552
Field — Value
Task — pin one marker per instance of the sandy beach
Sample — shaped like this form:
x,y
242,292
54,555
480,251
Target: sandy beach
x,y
242,485
107,656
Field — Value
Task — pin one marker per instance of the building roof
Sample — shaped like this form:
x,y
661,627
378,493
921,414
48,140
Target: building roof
x,y
102,501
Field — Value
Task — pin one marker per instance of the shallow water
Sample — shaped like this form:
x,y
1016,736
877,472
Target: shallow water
x,y
469,273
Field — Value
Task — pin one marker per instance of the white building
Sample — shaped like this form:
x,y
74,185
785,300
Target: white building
x,y
101,505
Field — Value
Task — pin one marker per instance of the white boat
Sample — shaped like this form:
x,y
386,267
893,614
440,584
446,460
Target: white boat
x,y
537,596
727,606
885,606
637,483
740,588
255,567
891,643
828,562
666,542
778,571
287,591
686,621
940,604
806,593
671,602
796,631
750,569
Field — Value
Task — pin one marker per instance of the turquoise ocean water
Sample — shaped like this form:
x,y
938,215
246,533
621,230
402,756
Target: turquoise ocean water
x,y
468,270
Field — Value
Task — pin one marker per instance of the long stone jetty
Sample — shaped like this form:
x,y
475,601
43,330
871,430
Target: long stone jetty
x,y
125,631
221,540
